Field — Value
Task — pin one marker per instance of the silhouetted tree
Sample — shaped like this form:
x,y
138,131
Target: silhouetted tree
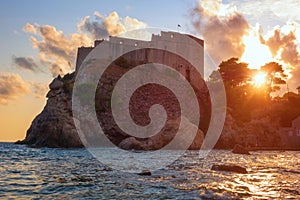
x,y
234,73
275,76
236,77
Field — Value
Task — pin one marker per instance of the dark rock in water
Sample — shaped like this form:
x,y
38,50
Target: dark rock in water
x,y
230,168
130,143
239,149
145,173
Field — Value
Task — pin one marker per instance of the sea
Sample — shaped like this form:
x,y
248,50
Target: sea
x,y
45,173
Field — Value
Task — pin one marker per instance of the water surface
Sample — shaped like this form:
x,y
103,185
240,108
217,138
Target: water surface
x,y
74,173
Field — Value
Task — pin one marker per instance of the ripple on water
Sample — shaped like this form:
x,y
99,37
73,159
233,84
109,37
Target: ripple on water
x,y
74,173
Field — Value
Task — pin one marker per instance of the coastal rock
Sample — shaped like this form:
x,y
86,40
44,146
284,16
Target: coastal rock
x,y
56,84
159,141
130,143
145,173
230,168
54,126
239,149
197,142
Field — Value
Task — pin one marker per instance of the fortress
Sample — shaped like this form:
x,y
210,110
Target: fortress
x,y
181,52
165,41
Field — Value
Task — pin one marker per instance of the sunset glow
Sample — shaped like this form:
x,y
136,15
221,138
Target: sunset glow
x,y
259,79
256,54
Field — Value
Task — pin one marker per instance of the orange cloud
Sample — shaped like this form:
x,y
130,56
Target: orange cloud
x,y
279,41
58,51
111,25
12,87
39,89
283,43
222,28
29,28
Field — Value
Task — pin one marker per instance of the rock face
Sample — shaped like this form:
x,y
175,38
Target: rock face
x,y
56,84
54,126
145,173
230,168
239,149
261,131
159,141
131,143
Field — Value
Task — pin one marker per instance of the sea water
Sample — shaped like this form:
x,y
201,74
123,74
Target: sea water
x,y
29,173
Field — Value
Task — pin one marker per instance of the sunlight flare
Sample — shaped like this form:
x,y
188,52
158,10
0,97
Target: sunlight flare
x,y
256,54
259,79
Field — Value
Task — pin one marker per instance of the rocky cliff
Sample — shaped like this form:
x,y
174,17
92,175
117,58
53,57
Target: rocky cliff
x,y
54,126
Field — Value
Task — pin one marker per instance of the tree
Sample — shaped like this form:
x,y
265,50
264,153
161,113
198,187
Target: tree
x,y
234,73
236,77
275,76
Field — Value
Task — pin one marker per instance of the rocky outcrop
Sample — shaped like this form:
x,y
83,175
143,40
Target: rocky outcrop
x,y
54,126
145,173
56,84
261,131
230,168
131,143
160,140
239,149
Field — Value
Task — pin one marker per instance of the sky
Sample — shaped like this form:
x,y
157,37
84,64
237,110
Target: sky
x,y
39,40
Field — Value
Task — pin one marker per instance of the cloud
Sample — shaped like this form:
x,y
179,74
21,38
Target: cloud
x,y
57,50
29,28
279,41
111,25
12,87
39,89
26,63
282,10
222,28
95,29
283,44
294,82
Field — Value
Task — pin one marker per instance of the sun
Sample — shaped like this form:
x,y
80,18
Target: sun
x,y
256,54
259,79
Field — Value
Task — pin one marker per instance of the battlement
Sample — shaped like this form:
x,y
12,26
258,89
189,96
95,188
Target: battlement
x,y
173,39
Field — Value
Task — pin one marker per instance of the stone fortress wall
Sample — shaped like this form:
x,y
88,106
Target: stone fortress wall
x,y
165,41
158,50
